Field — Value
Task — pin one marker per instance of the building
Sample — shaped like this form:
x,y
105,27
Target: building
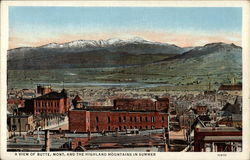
x,y
43,89
150,104
234,89
120,117
201,110
217,139
20,123
49,103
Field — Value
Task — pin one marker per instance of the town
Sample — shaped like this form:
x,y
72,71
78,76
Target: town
x,y
124,119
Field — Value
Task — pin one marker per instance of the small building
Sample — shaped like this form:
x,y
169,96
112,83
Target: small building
x,y
217,139
201,110
20,123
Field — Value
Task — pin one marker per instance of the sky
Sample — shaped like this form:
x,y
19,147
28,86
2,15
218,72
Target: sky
x,y
185,27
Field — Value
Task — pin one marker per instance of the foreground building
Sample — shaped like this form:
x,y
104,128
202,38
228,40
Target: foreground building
x,y
217,139
20,123
125,114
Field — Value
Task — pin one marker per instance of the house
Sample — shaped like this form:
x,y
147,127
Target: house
x,y
20,123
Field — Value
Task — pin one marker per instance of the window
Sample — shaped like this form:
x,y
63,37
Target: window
x,y
131,119
146,127
120,128
140,119
125,127
152,127
109,128
162,118
108,119
120,119
97,119
124,118
79,143
135,119
131,127
97,128
152,119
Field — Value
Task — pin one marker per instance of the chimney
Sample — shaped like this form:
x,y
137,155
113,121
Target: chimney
x,y
89,134
47,141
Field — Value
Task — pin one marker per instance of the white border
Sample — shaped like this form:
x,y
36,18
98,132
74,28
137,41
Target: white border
x,y
169,155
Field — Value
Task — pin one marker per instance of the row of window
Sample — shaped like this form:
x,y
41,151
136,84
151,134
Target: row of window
x,y
44,104
131,127
132,119
44,110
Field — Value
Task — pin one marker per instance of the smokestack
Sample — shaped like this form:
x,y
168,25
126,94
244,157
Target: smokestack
x,y
47,141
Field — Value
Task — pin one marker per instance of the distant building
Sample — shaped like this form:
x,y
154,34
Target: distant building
x,y
43,89
201,110
150,104
234,89
217,139
138,114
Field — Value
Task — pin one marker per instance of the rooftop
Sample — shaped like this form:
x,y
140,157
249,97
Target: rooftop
x,y
219,129
223,138
52,95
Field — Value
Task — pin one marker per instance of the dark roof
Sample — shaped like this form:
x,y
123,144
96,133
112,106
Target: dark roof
x,y
231,87
232,108
204,118
162,99
52,95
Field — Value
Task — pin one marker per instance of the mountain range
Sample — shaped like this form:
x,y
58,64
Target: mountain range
x,y
91,53
133,60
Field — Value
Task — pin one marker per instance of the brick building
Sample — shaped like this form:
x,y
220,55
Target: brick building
x,y
125,114
201,110
52,102
217,139
150,104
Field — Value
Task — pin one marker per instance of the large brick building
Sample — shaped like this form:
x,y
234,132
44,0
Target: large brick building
x,y
52,102
125,114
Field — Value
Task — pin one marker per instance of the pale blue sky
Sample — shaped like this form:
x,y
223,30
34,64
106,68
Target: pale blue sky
x,y
51,22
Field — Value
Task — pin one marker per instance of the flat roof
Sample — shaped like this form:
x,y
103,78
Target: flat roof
x,y
219,129
222,138
153,111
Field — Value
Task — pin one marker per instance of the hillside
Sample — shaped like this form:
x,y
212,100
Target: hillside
x,y
91,54
215,63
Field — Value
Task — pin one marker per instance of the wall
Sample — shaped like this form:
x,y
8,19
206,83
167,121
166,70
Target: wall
x,y
112,121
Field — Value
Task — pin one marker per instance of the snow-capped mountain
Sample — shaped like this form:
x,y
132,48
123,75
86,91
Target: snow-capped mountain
x,y
101,43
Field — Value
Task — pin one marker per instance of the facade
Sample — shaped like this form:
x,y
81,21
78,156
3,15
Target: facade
x,y
158,104
99,121
43,89
217,139
125,114
20,123
50,103
201,110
